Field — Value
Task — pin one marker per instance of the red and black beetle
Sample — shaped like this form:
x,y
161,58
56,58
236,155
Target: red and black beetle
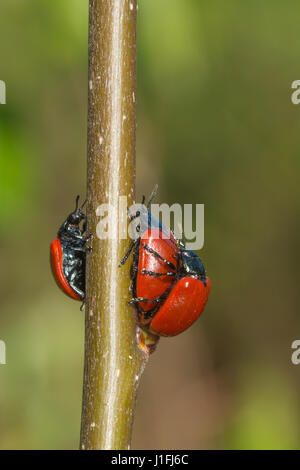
x,y
68,254
169,284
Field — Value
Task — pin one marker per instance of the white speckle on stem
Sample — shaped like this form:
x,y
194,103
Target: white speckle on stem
x,y
91,84
133,96
101,140
93,425
131,6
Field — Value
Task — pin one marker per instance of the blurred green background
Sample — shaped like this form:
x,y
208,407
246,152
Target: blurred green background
x,y
216,126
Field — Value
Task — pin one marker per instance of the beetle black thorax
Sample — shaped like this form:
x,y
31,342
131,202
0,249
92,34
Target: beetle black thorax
x,y
70,228
192,266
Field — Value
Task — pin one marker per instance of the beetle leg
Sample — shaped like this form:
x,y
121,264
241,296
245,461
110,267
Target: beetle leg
x,y
74,232
152,273
79,248
133,270
88,237
132,246
157,255
87,249
136,300
134,216
152,195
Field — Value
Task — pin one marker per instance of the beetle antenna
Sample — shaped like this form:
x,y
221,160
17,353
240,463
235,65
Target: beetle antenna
x,y
77,199
182,244
181,239
84,203
153,194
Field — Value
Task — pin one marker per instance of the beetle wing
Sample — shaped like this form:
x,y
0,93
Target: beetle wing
x,y
56,259
183,306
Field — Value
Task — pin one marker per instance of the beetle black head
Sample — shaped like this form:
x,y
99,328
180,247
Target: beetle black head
x,y
192,265
70,227
77,215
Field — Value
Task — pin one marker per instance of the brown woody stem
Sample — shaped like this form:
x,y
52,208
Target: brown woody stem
x,y
113,361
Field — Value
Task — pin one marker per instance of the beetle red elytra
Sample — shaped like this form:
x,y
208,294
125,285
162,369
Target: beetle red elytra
x,y
68,254
182,307
155,262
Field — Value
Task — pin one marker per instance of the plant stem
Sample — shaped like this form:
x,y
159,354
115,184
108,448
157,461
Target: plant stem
x,y
113,361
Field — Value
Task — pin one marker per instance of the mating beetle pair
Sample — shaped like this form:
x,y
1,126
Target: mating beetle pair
x,y
169,284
